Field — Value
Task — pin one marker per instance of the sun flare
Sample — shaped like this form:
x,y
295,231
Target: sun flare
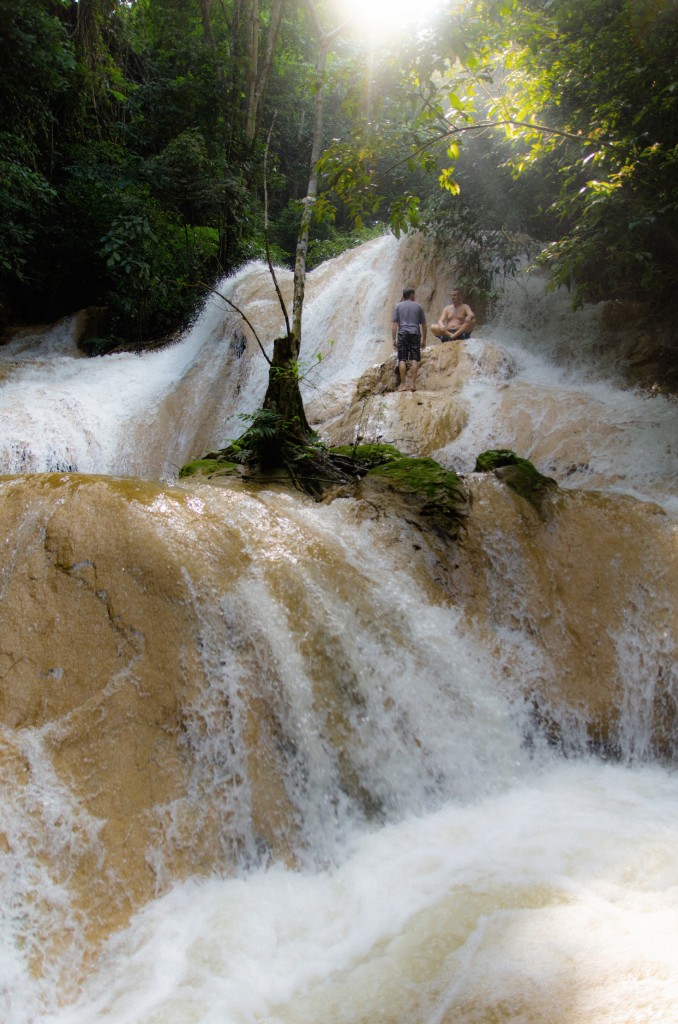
x,y
375,19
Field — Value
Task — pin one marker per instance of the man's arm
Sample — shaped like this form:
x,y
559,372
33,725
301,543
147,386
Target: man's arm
x,y
422,324
470,320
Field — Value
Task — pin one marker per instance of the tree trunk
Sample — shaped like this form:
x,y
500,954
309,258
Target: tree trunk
x,y
259,84
87,31
280,436
206,16
283,394
312,191
251,64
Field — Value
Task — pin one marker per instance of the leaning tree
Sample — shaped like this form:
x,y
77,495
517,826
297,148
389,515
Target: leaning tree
x,y
279,435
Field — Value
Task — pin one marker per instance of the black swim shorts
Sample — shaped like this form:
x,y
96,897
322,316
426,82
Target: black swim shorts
x,y
462,337
409,348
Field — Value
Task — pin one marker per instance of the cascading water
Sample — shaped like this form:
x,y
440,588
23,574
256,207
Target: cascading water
x,y
351,815
563,404
145,416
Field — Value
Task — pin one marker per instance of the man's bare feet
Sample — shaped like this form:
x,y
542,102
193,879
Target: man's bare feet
x,y
403,388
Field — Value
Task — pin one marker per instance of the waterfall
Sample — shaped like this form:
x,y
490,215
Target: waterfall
x,y
146,415
267,760
557,397
560,400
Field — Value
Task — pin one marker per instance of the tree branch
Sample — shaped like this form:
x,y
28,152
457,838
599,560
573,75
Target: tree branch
x,y
483,126
240,312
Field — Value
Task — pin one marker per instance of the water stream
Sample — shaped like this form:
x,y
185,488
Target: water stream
x,y
446,865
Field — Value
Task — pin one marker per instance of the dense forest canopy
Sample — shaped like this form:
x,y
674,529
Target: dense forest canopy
x,y
133,133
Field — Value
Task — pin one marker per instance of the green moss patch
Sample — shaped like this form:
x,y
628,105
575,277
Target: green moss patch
x,y
517,473
425,476
369,455
434,492
208,467
493,458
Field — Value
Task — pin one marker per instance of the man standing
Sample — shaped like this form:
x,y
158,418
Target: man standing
x,y
456,321
408,330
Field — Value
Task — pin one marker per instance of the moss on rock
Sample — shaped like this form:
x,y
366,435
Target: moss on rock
x,y
435,493
369,455
517,473
495,457
209,467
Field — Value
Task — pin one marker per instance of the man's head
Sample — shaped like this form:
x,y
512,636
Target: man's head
x,y
408,293
456,296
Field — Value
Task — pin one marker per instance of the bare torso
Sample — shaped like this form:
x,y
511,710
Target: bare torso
x,y
452,317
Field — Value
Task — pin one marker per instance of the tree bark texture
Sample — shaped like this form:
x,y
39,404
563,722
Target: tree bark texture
x,y
283,395
258,82
206,16
312,191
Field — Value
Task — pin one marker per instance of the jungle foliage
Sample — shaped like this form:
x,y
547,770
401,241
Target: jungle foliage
x,y
553,119
132,135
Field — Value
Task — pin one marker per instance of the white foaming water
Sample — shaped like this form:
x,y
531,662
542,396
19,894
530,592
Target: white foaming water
x,y
72,414
351,310
41,345
555,902
347,309
137,414
452,736
560,402
503,885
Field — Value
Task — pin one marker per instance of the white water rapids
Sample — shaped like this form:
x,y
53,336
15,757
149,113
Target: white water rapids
x,y
505,882
143,415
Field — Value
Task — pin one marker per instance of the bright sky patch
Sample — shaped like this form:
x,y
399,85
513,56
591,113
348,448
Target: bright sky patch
x,y
375,19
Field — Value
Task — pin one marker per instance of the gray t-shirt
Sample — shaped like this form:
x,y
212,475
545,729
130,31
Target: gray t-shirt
x,y
408,315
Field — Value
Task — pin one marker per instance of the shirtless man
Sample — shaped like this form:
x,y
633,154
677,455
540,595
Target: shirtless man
x,y
456,321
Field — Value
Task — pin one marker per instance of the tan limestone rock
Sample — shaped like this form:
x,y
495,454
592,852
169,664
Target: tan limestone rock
x,y
566,601
102,672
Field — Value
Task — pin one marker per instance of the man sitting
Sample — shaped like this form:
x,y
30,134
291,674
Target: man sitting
x,y
456,321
